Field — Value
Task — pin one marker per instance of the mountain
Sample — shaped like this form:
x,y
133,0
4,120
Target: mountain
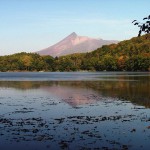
x,y
128,55
75,44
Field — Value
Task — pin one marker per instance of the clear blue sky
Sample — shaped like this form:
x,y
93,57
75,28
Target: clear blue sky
x,y
31,25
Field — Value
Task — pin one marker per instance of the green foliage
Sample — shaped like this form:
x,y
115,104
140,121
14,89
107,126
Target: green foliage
x,y
26,62
129,55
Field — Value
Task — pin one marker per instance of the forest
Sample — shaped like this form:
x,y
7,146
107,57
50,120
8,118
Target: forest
x,y
128,55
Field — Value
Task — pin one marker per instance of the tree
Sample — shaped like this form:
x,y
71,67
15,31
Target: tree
x,y
27,60
144,27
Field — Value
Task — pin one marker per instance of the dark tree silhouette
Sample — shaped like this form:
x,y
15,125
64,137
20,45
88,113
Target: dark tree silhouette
x,y
144,27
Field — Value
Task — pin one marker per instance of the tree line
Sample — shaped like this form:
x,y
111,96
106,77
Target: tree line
x,y
129,55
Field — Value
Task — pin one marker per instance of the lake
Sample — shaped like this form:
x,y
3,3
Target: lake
x,y
74,110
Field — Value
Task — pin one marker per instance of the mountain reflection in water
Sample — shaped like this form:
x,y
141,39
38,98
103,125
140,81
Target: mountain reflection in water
x,y
68,110
75,93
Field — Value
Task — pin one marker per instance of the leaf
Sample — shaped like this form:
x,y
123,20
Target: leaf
x,y
143,27
145,18
146,27
134,21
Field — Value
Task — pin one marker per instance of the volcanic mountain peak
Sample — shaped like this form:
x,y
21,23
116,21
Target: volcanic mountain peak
x,y
73,34
74,44
74,39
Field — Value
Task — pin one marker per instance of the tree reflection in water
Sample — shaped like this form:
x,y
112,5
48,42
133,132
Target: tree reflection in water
x,y
131,88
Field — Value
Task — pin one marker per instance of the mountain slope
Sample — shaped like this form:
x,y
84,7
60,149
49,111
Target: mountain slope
x,y
74,44
129,55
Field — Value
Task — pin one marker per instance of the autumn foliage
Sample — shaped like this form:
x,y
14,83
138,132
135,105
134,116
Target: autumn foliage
x,y
129,55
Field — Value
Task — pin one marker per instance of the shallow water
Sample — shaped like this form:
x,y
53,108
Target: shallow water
x,y
104,110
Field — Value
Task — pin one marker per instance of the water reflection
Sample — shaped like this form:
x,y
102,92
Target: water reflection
x,y
135,89
94,114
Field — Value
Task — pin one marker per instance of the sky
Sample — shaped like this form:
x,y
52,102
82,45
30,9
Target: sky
x,y
32,25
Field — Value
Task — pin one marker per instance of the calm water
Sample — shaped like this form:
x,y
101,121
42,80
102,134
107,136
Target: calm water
x,y
104,110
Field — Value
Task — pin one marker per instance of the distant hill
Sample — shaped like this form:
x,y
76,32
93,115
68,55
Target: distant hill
x,y
128,55
74,44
